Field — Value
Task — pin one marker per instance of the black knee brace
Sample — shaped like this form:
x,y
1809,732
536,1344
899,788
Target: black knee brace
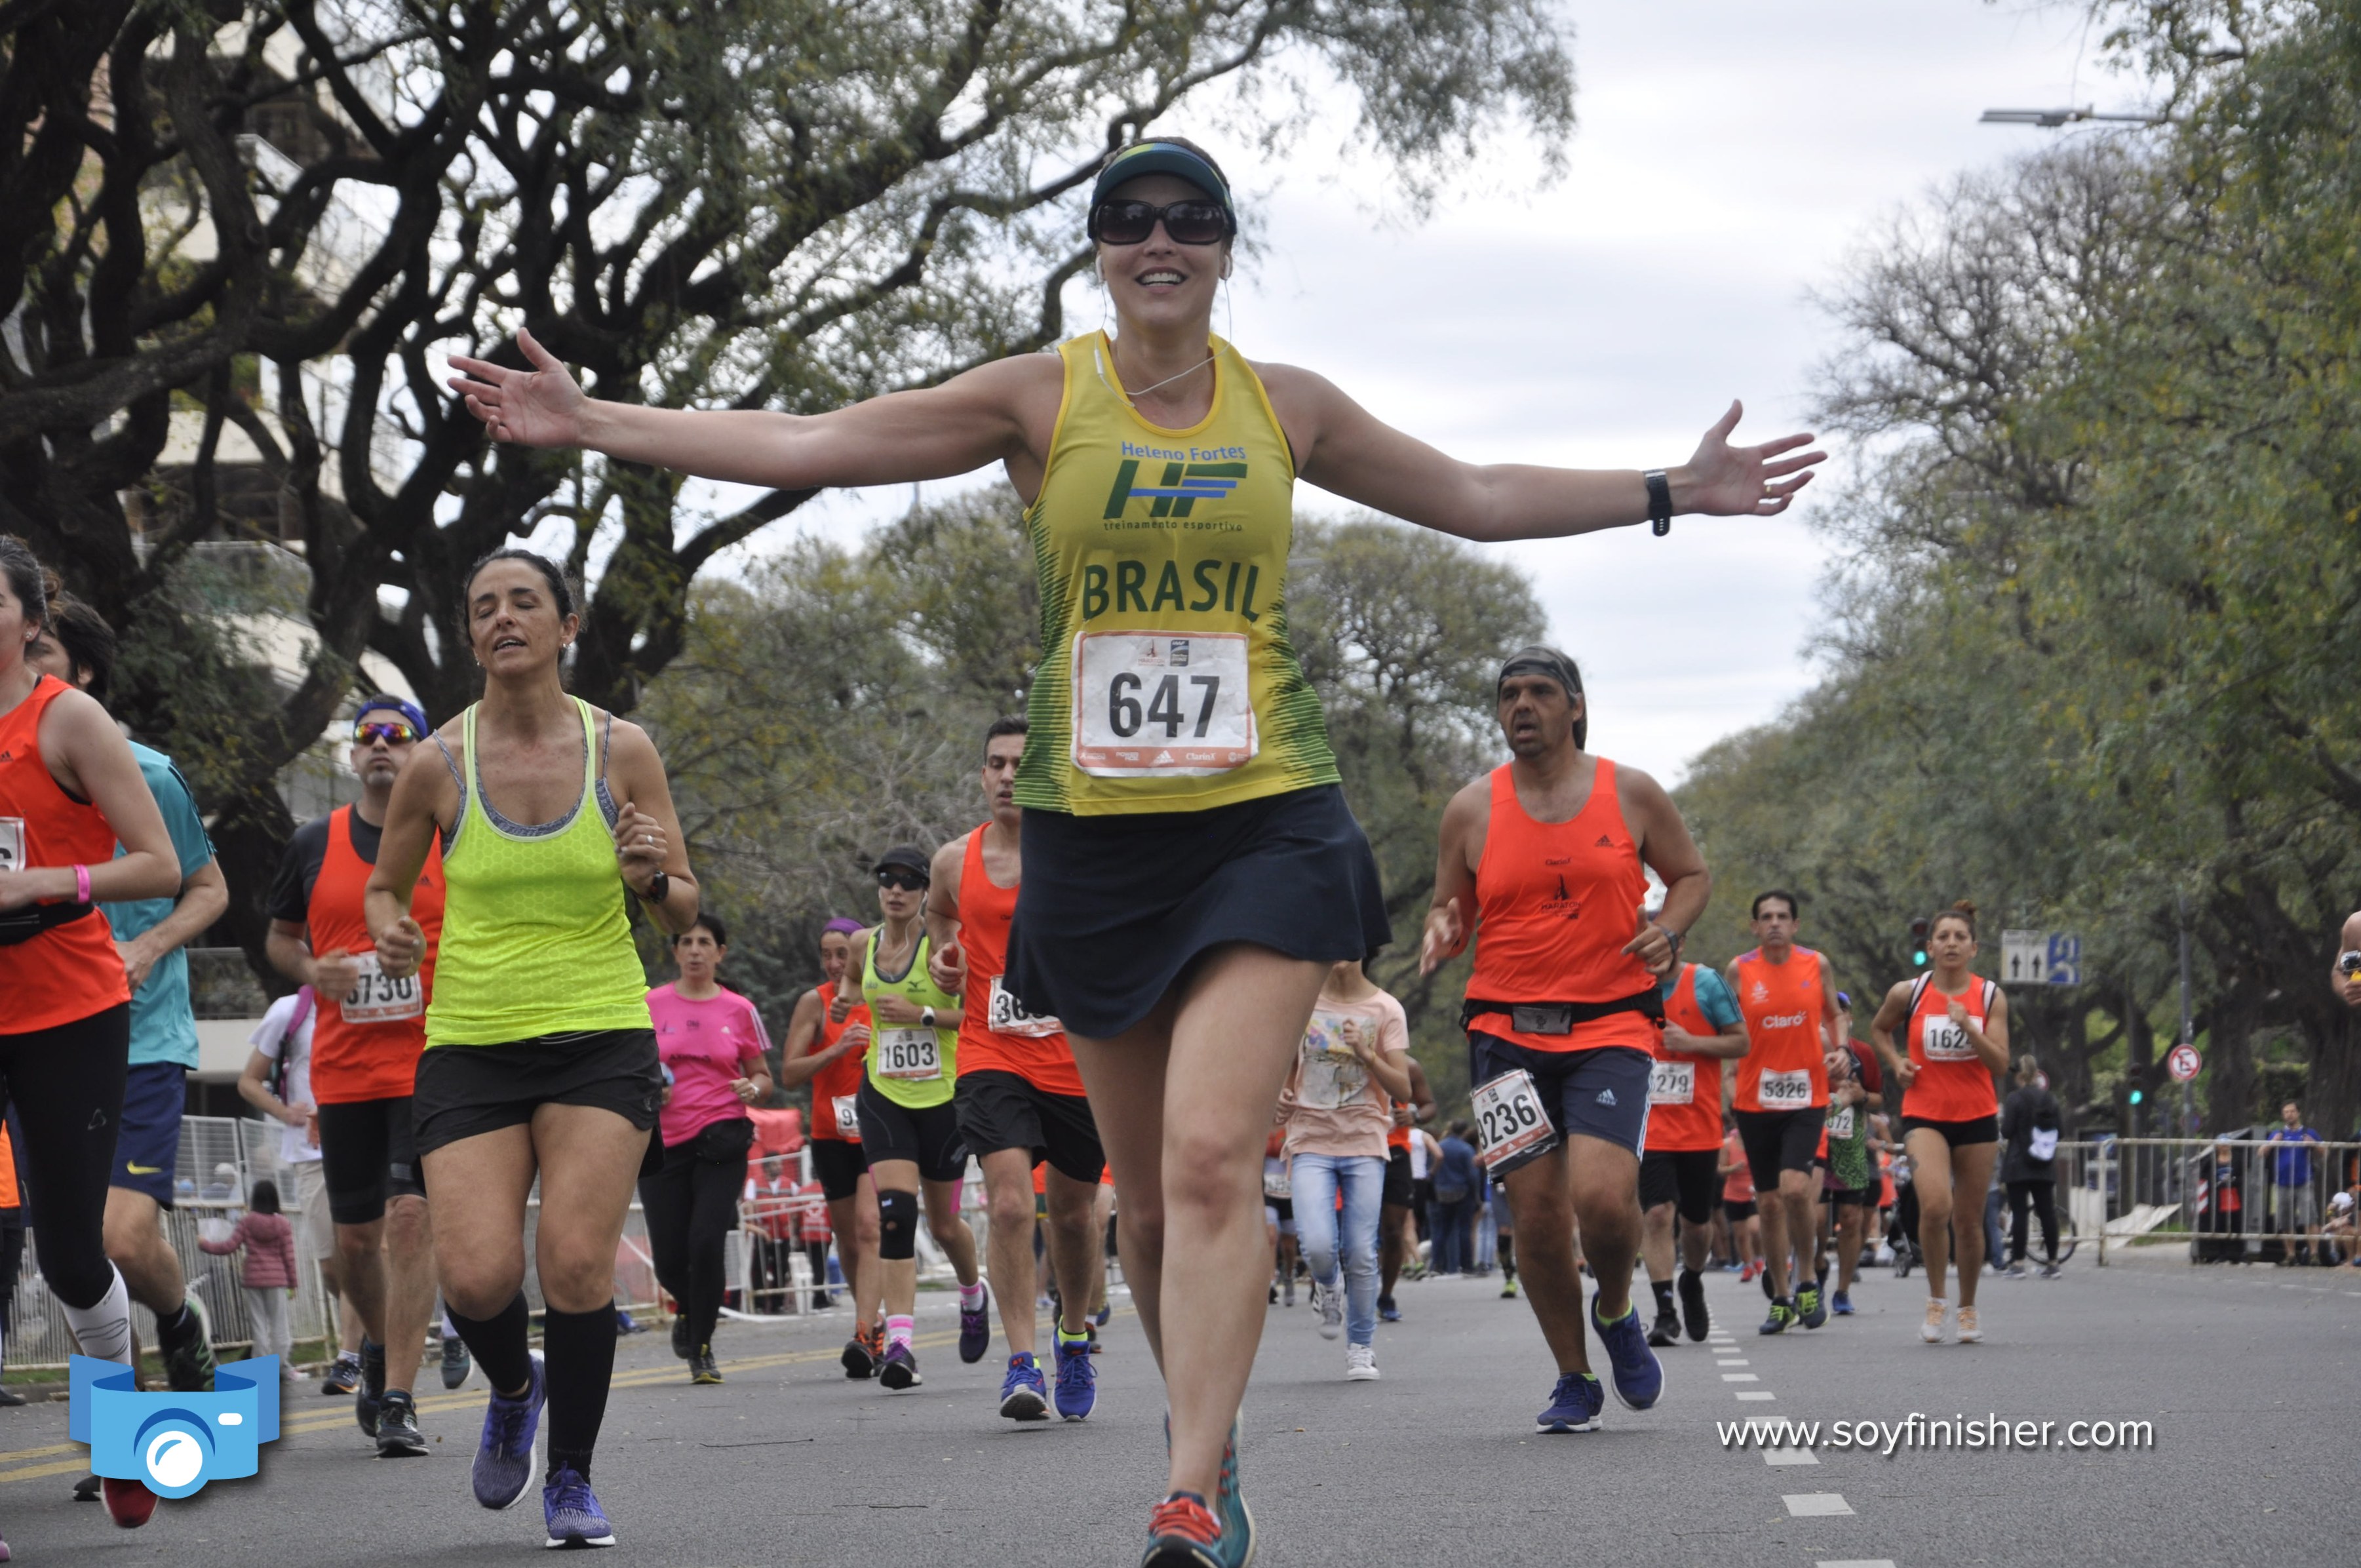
x,y
897,1225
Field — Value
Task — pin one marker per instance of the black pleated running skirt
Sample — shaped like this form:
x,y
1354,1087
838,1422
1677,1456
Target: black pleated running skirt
x,y
1113,910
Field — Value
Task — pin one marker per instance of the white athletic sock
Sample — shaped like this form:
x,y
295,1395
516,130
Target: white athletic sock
x,y
104,1328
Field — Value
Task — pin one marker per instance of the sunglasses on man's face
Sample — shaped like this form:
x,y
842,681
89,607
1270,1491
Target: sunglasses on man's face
x,y
908,882
391,734
1185,223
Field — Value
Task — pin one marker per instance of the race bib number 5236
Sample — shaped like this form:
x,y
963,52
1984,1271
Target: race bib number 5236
x,y
1161,704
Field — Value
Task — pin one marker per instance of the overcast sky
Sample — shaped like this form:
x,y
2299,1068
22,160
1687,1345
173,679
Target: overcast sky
x,y
1729,153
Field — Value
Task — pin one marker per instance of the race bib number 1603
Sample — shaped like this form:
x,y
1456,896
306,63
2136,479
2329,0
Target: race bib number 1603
x,y
1161,705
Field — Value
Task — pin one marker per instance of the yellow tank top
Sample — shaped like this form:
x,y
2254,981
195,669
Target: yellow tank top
x,y
534,938
1166,681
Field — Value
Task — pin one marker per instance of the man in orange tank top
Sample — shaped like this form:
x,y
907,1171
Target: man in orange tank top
x,y
1789,1001
1020,1099
366,1040
1542,863
826,1037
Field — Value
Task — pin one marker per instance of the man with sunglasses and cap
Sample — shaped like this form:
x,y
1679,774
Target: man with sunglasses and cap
x,y
366,1037
1545,864
910,1126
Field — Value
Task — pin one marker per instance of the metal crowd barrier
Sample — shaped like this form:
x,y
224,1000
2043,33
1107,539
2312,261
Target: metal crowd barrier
x,y
2231,1200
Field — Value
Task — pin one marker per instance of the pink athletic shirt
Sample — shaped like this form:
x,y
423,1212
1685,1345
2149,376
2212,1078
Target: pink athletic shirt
x,y
705,1044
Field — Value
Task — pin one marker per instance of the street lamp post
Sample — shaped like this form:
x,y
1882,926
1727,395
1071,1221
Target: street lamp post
x,y
2052,119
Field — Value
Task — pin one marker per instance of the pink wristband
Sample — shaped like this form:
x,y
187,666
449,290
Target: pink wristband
x,y
82,884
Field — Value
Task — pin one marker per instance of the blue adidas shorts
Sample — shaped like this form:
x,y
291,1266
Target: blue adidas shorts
x,y
148,1140
1601,1092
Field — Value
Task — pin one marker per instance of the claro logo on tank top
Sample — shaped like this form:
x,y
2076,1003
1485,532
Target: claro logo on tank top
x,y
1786,1020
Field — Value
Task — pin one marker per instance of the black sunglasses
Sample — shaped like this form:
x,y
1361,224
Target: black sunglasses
x,y
908,882
1186,222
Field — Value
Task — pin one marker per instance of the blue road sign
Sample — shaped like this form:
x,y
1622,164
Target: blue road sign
x,y
2065,959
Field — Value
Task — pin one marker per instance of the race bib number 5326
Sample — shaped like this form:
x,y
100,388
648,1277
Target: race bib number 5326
x,y
1161,704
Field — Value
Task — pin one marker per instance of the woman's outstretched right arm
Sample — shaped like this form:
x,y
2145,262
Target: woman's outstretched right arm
x,y
983,415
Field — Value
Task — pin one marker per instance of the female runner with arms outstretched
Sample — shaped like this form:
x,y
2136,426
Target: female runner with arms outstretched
x,y
1192,869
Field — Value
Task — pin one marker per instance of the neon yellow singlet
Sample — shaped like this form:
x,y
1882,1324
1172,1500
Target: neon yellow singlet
x,y
1167,682
909,1063
534,938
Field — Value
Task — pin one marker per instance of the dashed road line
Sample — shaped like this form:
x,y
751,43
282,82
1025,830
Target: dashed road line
x,y
1815,1504
1791,1456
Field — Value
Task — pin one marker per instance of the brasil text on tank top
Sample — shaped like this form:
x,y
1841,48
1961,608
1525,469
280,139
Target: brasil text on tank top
x,y
1166,681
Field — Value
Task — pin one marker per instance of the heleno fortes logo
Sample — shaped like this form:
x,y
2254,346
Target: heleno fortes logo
x,y
1176,478
173,1441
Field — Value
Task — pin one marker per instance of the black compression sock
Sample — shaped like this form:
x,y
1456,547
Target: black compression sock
x,y
1663,1297
580,1351
499,1343
178,1329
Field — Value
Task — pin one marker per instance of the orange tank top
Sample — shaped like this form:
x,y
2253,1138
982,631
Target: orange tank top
x,y
1784,1068
833,1087
69,971
10,1198
1038,1054
1684,1094
1952,1084
1555,903
351,1060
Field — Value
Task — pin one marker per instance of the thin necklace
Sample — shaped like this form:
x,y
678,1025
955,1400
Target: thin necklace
x,y
1116,386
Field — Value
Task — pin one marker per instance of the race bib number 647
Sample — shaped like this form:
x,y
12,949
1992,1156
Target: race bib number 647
x,y
1161,704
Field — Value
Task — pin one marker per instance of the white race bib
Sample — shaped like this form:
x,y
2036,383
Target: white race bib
x,y
1275,1181
1673,1083
1508,1117
1005,1015
1152,704
1785,1091
377,999
1943,1040
909,1054
1840,1122
848,1118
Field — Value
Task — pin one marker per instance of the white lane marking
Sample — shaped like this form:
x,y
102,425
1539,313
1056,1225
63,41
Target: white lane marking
x,y
1735,1361
1740,1377
1810,1505
1756,1394
1856,1563
1789,1456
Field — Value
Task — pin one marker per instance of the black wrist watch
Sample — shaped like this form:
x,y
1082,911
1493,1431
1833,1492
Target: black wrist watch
x,y
1675,937
658,885
1660,501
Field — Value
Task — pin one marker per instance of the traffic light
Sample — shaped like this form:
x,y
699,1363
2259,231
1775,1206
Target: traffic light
x,y
1919,942
2138,1095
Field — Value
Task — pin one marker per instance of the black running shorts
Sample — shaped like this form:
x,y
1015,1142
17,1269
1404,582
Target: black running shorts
x,y
1395,1194
1779,1140
1687,1178
368,1153
1737,1214
1958,1134
838,1164
1000,1110
464,1092
929,1138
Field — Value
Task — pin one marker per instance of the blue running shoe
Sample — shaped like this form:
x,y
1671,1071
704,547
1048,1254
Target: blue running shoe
x,y
975,1328
573,1512
1103,1314
1638,1375
504,1456
1183,1533
1840,1304
1078,1379
1024,1397
1230,1506
1810,1311
1573,1405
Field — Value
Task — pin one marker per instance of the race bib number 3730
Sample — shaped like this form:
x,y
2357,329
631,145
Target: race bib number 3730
x,y
1161,704
378,998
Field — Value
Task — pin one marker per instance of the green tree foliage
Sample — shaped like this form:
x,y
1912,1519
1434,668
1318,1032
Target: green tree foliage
x,y
835,703
2093,635
276,217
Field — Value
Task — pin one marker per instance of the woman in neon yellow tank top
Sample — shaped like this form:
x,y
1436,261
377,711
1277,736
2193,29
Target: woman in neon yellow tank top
x,y
541,1060
1191,869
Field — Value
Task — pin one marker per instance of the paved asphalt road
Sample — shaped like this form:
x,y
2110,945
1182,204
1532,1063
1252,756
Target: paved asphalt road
x,y
2249,1375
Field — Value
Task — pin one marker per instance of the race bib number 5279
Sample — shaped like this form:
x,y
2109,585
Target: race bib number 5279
x,y
1161,704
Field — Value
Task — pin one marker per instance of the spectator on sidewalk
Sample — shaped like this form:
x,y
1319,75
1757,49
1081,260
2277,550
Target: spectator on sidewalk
x,y
269,1274
2295,1206
2028,1166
